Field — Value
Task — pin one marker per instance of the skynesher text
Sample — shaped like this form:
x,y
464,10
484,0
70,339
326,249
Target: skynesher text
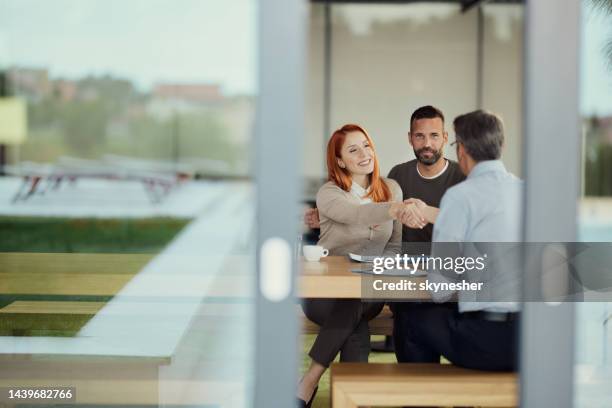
x,y
406,284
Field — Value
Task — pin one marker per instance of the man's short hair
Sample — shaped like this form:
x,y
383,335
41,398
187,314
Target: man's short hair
x,y
426,112
481,133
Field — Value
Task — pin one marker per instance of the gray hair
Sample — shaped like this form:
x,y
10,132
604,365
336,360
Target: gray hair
x,y
481,133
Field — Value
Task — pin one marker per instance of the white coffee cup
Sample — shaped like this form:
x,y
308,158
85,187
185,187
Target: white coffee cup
x,y
313,253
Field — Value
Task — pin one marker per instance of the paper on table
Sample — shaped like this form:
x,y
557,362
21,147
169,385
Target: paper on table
x,y
390,272
370,258
362,258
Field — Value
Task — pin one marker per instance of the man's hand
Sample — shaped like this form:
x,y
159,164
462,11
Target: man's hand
x,y
311,218
420,214
416,201
413,216
408,213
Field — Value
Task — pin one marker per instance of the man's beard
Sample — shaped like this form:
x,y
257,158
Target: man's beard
x,y
436,154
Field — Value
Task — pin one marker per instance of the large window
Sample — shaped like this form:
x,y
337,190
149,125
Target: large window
x,y
153,86
127,242
593,323
379,62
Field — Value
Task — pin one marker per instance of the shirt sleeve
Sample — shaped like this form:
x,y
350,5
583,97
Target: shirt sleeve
x,y
450,231
452,222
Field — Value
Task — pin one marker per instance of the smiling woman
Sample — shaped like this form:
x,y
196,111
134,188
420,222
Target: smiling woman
x,y
351,157
357,208
356,205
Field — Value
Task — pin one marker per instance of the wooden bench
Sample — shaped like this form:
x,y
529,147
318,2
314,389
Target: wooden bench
x,y
53,307
68,274
411,384
380,325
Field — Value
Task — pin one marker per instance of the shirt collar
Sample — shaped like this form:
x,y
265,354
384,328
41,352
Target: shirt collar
x,y
359,191
487,166
434,176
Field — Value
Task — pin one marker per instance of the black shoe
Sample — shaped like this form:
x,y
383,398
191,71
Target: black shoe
x,y
312,397
303,404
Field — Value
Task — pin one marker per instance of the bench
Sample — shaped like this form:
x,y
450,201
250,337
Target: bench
x,y
412,384
53,307
156,327
380,325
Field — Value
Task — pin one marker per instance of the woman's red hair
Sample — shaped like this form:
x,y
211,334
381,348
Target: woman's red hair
x,y
379,191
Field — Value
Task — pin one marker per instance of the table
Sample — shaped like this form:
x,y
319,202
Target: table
x,y
331,277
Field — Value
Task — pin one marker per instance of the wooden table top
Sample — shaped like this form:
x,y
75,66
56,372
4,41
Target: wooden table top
x,y
331,277
106,274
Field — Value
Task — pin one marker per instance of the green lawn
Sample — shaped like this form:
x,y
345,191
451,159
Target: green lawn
x,y
28,236
90,235
44,325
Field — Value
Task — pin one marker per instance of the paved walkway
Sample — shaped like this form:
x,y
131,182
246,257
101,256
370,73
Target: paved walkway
x,y
200,348
105,199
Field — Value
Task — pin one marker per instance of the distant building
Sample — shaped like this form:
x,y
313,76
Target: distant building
x,y
31,83
195,93
168,99
605,125
65,90
599,130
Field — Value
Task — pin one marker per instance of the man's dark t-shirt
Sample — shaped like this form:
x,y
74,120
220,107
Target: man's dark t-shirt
x,y
428,190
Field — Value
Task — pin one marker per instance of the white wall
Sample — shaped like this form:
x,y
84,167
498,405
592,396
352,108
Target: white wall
x,y
503,75
388,60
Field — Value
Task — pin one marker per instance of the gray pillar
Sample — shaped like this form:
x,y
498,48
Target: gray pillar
x,y
279,134
552,170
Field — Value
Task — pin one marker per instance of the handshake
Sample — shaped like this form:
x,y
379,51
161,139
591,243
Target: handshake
x,y
413,213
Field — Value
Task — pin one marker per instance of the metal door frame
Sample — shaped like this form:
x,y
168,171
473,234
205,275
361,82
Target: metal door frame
x,y
551,165
279,134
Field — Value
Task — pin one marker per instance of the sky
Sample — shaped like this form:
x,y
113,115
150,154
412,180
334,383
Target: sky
x,y
210,41
147,41
595,69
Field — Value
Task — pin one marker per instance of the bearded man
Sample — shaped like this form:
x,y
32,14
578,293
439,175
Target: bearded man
x,y
423,180
426,178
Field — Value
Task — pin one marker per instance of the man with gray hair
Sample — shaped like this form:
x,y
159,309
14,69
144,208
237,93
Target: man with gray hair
x,y
485,208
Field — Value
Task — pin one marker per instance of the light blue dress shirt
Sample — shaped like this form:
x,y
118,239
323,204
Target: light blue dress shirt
x,y
485,209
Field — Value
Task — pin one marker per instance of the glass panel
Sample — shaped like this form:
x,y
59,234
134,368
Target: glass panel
x,y
387,60
503,74
383,62
593,372
126,206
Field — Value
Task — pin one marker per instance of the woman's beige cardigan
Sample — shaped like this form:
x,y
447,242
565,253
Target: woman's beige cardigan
x,y
364,229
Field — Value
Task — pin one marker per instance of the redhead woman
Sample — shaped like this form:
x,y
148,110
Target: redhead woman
x,y
357,209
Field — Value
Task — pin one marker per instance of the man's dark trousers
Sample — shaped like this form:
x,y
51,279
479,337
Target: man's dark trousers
x,y
425,331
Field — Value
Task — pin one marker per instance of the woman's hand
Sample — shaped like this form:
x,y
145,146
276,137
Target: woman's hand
x,y
413,216
420,215
408,213
395,210
311,218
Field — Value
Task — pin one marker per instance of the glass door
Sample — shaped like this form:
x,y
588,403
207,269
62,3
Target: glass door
x,y
552,185
592,359
148,201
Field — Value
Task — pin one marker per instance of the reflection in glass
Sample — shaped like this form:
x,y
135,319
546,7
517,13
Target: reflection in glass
x,y
125,256
593,373
386,60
